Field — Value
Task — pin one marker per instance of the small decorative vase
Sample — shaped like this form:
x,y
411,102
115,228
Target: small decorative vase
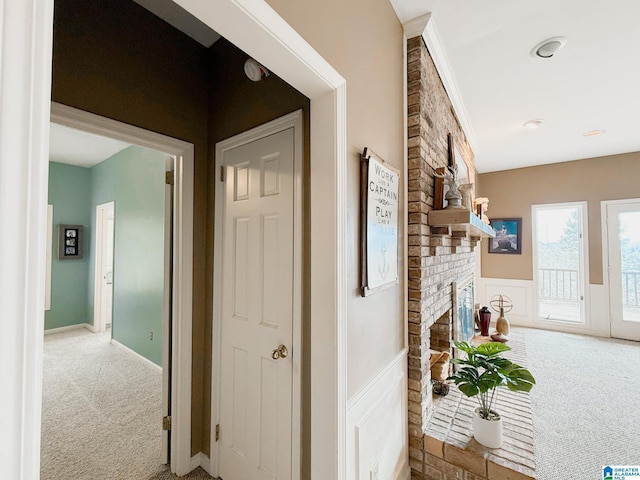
x,y
502,324
485,321
487,432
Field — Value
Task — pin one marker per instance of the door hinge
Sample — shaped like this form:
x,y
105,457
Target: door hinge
x,y
166,423
217,432
222,173
168,178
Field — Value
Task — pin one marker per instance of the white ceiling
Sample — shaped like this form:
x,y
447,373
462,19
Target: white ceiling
x,y
592,83
82,149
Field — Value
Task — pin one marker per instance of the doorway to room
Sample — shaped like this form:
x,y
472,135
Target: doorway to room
x,y
559,262
141,263
260,32
97,370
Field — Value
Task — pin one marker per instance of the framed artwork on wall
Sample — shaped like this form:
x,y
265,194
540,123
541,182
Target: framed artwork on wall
x,y
70,242
508,237
379,196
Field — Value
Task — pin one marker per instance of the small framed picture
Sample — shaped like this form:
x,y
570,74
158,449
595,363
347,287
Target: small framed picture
x,y
70,242
508,237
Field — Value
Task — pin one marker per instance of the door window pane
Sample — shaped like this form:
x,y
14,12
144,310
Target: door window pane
x,y
559,263
629,234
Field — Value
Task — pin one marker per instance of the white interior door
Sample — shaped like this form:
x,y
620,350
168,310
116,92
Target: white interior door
x,y
623,231
107,298
103,301
257,310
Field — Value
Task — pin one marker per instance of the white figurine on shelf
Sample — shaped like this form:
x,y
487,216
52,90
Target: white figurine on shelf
x,y
482,205
466,190
453,195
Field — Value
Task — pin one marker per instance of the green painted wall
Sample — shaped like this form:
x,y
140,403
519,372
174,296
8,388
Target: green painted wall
x,y
134,180
70,195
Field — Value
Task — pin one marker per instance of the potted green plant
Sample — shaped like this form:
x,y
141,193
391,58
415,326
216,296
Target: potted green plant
x,y
482,372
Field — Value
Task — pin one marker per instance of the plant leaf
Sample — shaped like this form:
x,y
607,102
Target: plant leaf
x,y
492,348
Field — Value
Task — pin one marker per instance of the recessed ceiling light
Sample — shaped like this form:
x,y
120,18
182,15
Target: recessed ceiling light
x,y
548,48
533,124
594,133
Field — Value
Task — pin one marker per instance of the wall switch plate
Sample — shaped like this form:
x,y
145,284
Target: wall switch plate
x,y
373,473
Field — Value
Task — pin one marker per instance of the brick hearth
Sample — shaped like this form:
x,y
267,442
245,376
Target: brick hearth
x,y
449,448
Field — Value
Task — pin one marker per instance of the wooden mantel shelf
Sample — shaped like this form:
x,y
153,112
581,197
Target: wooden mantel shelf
x,y
460,220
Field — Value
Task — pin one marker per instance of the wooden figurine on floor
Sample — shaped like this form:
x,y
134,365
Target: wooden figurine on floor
x,y
502,304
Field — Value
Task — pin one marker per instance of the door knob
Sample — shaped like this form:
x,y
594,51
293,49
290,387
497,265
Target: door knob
x,y
280,352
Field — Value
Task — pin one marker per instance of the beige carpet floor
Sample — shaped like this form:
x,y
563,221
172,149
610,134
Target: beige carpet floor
x,y
102,414
102,408
586,404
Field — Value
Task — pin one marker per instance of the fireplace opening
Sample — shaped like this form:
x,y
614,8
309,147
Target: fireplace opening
x,y
456,324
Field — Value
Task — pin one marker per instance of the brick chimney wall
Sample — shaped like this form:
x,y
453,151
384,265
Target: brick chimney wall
x,y
435,261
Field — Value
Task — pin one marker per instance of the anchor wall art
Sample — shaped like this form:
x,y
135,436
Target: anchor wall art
x,y
379,223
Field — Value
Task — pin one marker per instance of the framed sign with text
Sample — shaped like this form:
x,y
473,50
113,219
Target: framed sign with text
x,y
379,196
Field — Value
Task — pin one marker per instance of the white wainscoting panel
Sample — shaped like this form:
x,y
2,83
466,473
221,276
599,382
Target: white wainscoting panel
x,y
599,310
521,292
377,425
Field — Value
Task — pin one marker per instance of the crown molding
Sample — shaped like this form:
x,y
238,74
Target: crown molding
x,y
425,26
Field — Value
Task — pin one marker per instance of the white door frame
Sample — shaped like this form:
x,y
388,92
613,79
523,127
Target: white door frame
x,y
25,89
98,320
182,262
293,120
584,263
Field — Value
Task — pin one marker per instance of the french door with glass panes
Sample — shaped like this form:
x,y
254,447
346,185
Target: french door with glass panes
x,y
623,256
560,266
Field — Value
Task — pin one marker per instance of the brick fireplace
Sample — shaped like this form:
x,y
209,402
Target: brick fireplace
x,y
438,259
441,258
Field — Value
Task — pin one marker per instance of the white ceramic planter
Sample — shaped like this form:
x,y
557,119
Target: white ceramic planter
x,y
487,432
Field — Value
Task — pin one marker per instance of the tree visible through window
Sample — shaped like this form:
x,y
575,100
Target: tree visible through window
x,y
559,266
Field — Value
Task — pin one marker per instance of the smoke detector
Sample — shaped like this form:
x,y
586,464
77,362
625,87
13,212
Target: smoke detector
x,y
254,70
548,48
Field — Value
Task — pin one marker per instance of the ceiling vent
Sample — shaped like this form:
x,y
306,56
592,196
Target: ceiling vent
x,y
548,48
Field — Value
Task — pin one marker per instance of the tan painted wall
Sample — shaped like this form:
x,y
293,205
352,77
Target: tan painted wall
x,y
512,192
363,41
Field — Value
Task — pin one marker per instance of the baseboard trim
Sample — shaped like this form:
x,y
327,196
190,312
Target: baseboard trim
x,y
142,359
200,460
77,326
